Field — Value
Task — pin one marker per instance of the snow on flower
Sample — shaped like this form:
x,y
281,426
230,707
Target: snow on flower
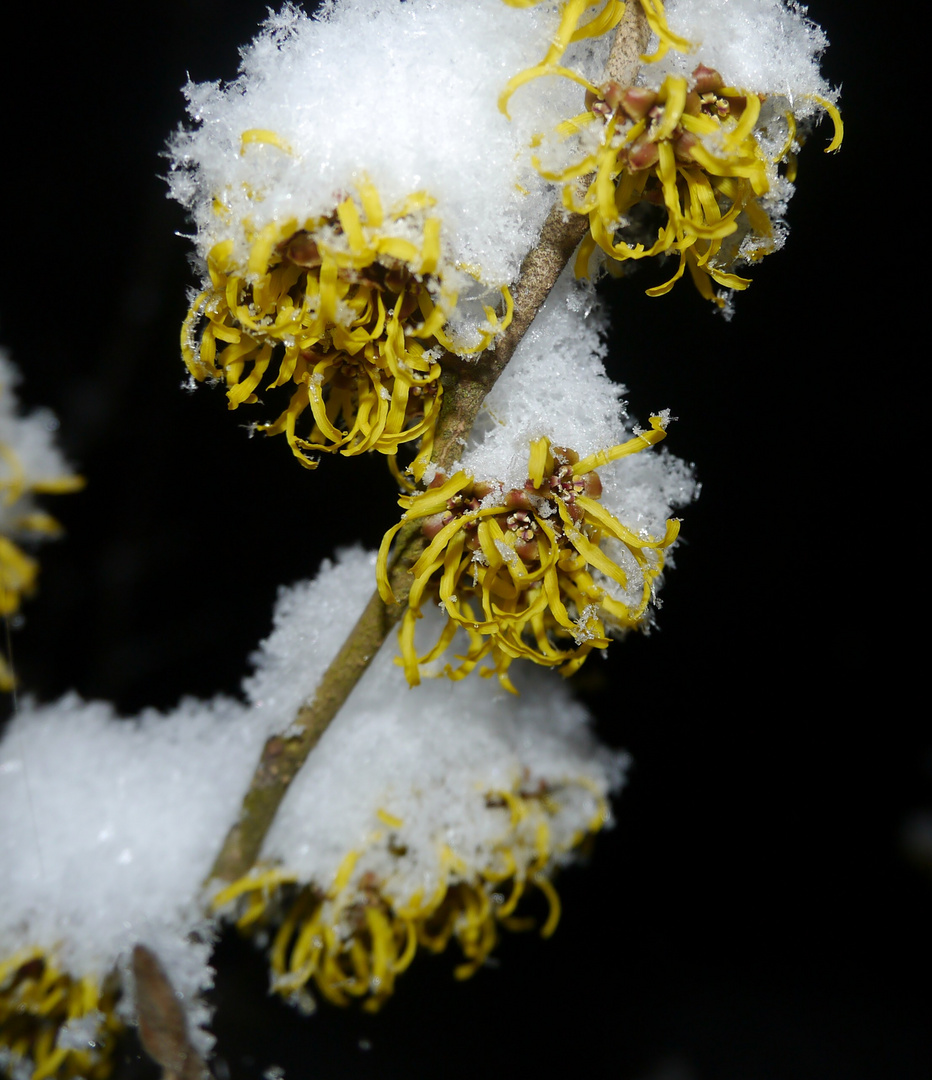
x,y
353,935
363,195
694,158
49,1020
419,819
357,214
107,831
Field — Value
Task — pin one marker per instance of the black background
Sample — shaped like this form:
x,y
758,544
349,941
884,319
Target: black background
x,y
754,915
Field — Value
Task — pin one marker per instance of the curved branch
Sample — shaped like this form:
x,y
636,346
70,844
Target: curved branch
x,y
465,386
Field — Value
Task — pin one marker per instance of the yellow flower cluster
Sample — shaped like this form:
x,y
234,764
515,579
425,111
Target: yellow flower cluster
x,y
688,155
353,940
348,311
527,573
37,1002
655,152
18,571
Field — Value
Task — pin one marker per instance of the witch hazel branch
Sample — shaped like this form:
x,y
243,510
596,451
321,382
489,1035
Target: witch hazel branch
x,y
410,277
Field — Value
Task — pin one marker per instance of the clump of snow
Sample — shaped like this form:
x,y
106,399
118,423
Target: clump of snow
x,y
426,756
429,758
555,385
312,620
108,828
766,46
403,94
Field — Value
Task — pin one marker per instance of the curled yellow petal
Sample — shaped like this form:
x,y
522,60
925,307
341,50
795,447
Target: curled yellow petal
x,y
835,116
264,137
